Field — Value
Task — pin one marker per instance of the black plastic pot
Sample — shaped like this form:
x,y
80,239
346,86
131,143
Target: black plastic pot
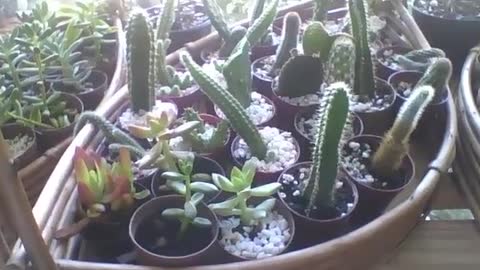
x,y
10,131
455,37
384,70
96,83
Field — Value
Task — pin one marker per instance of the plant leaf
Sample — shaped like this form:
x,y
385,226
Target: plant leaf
x,y
231,203
197,198
203,187
190,210
176,186
223,183
201,222
267,205
174,176
265,190
173,213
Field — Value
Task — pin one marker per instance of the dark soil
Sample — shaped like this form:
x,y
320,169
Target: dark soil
x,y
159,236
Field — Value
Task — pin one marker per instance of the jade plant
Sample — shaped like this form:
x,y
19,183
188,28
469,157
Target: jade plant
x,y
197,138
230,106
240,184
289,40
437,75
331,128
103,187
188,215
394,147
229,36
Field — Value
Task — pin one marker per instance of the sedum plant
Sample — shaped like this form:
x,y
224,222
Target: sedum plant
x,y
331,128
230,106
388,158
188,215
240,183
438,76
103,187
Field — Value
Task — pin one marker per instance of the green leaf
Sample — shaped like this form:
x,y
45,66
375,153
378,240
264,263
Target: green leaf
x,y
173,213
176,186
201,177
225,212
197,198
230,204
203,187
265,190
142,194
223,183
201,222
190,210
173,176
267,205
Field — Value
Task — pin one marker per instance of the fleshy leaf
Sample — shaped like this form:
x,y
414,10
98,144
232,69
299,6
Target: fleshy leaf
x,y
201,222
223,183
267,205
173,213
197,198
231,203
190,210
176,186
203,187
225,212
265,190
173,176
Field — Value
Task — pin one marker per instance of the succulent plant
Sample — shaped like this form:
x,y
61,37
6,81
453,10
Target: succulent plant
x,y
229,105
166,19
103,187
317,40
140,42
11,56
240,183
188,215
388,158
257,10
237,34
419,60
340,66
237,72
438,76
333,116
365,69
195,138
291,29
260,25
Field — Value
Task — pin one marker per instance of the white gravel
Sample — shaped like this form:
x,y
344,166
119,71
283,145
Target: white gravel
x,y
178,144
259,111
307,100
130,118
18,145
271,239
281,150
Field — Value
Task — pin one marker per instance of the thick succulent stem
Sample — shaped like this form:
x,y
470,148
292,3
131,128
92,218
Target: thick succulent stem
x,y
166,18
291,28
140,41
237,34
333,115
261,25
341,62
217,18
257,10
112,133
237,73
365,69
394,146
437,75
234,111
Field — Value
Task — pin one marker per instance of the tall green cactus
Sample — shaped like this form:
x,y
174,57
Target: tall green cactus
x,y
234,111
419,60
291,29
237,34
395,144
364,65
163,76
112,133
237,72
217,18
340,66
437,75
329,138
320,10
261,25
166,19
317,40
257,10
140,41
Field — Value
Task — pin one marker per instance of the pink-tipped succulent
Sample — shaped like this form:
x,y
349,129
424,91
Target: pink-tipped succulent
x,y
103,187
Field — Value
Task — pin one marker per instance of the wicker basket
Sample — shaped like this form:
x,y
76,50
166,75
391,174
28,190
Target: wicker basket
x,y
358,249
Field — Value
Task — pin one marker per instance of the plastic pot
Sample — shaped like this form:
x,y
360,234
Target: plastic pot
x,y
155,207
384,70
311,231
201,164
373,201
11,131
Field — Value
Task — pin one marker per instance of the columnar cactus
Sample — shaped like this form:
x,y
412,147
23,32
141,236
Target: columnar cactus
x,y
291,29
260,26
437,75
340,66
112,133
140,41
237,73
217,18
234,111
365,69
237,34
333,115
320,10
419,60
166,19
317,40
163,75
256,12
395,144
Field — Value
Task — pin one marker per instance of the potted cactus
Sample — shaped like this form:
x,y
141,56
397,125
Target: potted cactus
x,y
320,198
381,167
175,230
249,218
274,148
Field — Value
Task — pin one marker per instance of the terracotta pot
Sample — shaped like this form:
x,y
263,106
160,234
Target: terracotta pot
x,y
373,201
272,121
10,131
262,84
183,36
378,122
312,231
155,207
49,137
92,97
201,164
261,177
281,209
305,142
384,70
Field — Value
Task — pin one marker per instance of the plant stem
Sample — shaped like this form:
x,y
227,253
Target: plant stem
x,y
38,62
183,229
28,121
243,208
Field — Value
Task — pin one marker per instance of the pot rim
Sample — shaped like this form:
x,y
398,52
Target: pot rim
x,y
415,8
81,108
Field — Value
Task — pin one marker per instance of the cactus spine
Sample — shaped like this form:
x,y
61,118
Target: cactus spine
x,y
341,62
437,75
140,41
291,29
394,146
261,25
237,73
316,40
112,133
333,115
365,69
166,19
234,111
